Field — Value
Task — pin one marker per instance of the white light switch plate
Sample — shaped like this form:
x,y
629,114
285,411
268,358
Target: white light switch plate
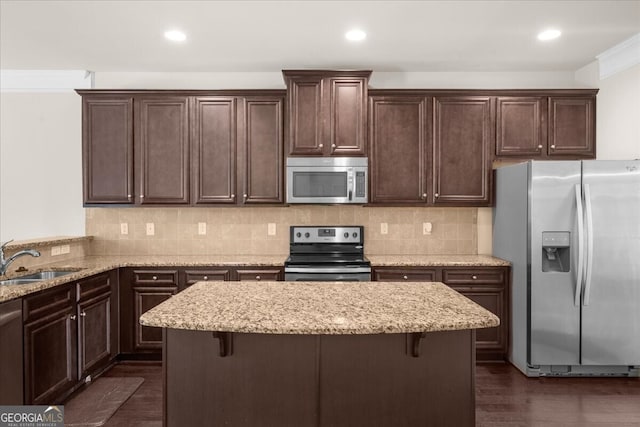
x,y
384,228
202,228
65,249
151,229
124,228
271,229
55,251
426,228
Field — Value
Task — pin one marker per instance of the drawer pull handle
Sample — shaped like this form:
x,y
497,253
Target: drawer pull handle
x,y
405,277
73,317
205,278
257,277
155,277
474,277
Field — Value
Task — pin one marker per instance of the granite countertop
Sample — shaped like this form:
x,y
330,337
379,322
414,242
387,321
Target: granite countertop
x,y
313,308
437,260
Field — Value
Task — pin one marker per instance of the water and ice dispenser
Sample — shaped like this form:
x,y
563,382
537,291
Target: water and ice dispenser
x,y
556,247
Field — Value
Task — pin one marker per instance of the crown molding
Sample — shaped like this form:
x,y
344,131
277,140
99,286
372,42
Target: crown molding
x,y
45,80
620,57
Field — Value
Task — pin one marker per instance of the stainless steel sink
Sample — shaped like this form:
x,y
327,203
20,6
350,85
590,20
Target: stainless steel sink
x,y
36,277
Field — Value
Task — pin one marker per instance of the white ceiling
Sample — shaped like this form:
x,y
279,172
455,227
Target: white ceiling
x,y
275,35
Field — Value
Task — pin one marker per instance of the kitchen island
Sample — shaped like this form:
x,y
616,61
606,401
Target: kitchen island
x,y
319,354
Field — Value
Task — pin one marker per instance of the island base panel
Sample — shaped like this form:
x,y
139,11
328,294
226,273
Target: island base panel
x,y
319,380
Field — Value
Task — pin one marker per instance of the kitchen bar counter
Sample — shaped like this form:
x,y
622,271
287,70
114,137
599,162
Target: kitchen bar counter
x,y
319,308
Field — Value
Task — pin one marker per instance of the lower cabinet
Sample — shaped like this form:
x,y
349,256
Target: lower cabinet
x,y
486,286
69,333
259,274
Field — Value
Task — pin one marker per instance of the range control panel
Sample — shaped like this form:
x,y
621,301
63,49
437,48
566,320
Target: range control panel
x,y
327,234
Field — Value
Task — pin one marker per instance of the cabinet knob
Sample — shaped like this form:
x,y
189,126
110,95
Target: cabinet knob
x,y
405,277
436,195
245,196
205,278
320,145
129,196
474,277
233,196
142,196
333,145
424,195
540,147
257,277
553,147
155,277
73,317
82,314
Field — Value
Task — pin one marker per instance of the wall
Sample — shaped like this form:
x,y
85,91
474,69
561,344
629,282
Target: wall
x,y
244,230
40,165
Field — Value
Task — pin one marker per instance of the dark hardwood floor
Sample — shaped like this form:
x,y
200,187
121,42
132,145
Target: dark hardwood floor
x,y
504,397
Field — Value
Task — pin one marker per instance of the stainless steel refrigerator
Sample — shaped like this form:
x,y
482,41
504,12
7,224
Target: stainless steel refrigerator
x,y
571,230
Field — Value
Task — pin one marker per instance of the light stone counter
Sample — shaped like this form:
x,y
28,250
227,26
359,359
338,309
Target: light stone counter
x,y
436,260
319,308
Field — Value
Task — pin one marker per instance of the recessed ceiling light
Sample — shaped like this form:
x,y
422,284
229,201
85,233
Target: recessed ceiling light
x,y
175,36
355,35
549,35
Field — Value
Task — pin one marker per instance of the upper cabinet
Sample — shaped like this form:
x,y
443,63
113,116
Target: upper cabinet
x,y
190,147
462,142
107,161
326,112
546,125
162,135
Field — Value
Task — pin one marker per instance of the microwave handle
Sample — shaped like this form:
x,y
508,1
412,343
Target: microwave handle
x,y
350,195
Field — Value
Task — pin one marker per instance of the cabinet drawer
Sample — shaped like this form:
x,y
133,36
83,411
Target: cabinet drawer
x,y
156,277
402,275
193,276
470,277
92,286
266,274
50,301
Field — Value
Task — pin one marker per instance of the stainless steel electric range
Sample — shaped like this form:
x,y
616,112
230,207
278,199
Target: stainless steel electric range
x,y
327,253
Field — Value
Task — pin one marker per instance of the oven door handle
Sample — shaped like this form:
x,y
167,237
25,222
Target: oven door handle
x,y
327,270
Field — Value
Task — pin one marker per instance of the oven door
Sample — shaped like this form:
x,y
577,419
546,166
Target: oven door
x,y
327,277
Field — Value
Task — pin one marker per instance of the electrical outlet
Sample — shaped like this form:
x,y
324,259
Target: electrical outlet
x,y
124,228
202,228
384,228
426,228
151,229
271,229
55,251
65,249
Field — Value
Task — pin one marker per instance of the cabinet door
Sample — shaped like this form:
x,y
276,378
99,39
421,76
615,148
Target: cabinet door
x,y
95,331
145,298
521,126
572,126
304,107
268,274
347,114
462,135
162,135
214,150
50,357
399,150
107,150
261,155
405,274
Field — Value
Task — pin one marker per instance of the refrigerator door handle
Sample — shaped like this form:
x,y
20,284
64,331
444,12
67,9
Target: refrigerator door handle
x,y
587,285
579,270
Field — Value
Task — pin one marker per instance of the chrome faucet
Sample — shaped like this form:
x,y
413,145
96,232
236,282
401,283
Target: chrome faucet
x,y
4,264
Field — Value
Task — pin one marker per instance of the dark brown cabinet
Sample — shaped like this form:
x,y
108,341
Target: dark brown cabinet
x,y
487,287
50,345
572,126
107,151
150,288
462,142
326,112
521,126
162,135
400,149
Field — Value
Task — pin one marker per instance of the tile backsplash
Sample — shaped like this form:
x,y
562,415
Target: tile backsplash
x,y
245,230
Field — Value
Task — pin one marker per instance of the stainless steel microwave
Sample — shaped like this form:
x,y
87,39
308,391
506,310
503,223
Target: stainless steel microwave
x,y
327,180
